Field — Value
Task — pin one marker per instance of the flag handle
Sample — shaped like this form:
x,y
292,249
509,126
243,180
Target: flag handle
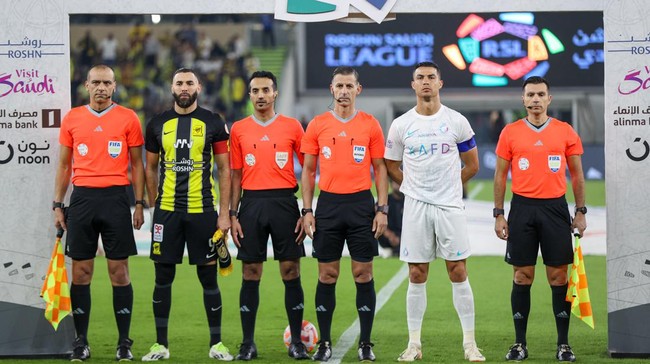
x,y
59,232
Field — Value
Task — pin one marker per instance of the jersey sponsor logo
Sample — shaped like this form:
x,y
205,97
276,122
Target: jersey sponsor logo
x,y
185,165
82,149
410,133
183,143
358,153
524,164
250,159
426,149
197,131
168,132
114,148
158,232
326,152
281,159
554,163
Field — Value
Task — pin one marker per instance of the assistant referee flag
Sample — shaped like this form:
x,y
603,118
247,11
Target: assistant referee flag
x,y
55,291
578,291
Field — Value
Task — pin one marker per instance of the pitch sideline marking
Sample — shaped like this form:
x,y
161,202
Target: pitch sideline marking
x,y
348,338
475,191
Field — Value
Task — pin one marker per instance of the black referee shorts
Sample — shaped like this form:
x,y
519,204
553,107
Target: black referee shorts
x,y
539,223
267,213
95,211
341,218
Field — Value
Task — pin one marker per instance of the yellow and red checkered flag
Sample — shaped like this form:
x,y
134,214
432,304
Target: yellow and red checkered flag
x,y
55,291
578,291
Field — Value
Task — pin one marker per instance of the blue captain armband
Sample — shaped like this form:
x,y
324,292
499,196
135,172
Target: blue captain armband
x,y
466,145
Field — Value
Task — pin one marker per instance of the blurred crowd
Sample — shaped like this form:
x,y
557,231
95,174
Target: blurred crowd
x,y
144,65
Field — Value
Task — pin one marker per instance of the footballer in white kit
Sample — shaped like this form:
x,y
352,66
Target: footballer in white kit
x,y
434,223
424,151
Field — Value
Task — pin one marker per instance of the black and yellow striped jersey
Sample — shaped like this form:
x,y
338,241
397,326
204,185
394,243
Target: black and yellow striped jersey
x,y
187,144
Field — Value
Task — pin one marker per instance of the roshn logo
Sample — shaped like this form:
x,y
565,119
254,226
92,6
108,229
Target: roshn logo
x,y
324,10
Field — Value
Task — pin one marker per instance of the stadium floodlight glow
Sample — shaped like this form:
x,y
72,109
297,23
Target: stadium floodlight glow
x,y
155,18
522,18
552,42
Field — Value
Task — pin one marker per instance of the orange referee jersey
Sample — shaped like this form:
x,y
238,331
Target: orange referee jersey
x,y
264,151
100,144
345,149
538,156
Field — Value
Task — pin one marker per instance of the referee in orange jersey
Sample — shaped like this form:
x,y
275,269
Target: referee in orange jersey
x,y
262,152
98,142
347,142
537,151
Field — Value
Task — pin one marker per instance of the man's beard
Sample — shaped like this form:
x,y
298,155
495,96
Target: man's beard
x,y
185,103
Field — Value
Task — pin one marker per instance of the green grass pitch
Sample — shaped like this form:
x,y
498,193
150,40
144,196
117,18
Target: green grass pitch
x,y
442,338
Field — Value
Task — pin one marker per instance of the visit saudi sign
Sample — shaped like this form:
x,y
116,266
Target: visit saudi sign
x,y
324,10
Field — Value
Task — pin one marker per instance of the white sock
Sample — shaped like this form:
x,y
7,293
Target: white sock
x,y
416,305
464,303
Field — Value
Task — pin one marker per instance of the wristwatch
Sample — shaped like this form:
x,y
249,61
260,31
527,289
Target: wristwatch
x,y
141,202
232,213
57,205
582,209
306,211
496,212
383,209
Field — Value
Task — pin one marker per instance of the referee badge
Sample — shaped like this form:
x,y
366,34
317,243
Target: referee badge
x,y
114,148
358,153
250,159
281,159
554,163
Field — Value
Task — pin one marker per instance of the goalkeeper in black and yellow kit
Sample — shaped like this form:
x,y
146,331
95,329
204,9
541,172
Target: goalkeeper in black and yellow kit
x,y
182,146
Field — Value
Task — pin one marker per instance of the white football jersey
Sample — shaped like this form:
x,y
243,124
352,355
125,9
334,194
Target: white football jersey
x,y
427,147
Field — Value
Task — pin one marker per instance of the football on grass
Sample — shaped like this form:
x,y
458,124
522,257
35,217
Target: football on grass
x,y
308,335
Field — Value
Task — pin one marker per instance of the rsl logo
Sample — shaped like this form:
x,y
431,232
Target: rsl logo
x,y
324,10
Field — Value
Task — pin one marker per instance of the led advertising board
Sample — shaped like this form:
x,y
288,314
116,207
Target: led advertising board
x,y
473,50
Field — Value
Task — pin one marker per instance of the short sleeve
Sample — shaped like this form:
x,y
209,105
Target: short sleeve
x,y
376,140
309,144
394,145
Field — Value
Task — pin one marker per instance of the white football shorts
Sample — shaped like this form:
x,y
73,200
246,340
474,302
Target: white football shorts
x,y
430,232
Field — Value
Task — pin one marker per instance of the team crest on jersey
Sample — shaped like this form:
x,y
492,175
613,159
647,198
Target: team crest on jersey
x,y
82,149
158,232
327,152
444,128
250,159
281,159
358,153
197,131
114,148
523,164
554,163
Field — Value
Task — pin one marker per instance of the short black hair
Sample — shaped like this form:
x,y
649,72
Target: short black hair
x,y
346,71
186,70
264,74
428,64
536,80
